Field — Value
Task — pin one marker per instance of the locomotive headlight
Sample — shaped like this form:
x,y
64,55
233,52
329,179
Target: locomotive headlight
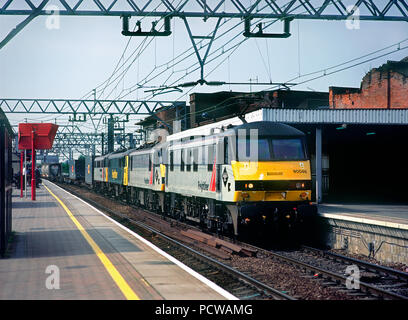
x,y
300,185
250,186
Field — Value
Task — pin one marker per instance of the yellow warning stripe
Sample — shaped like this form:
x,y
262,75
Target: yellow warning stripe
x,y
114,273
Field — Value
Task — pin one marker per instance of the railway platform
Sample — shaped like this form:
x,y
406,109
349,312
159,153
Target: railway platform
x,y
391,215
376,230
64,248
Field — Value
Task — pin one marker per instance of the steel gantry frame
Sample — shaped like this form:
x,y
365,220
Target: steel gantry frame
x,y
80,106
383,10
71,137
70,140
285,10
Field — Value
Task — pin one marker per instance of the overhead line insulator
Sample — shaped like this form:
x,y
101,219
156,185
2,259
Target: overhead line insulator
x,y
260,34
139,33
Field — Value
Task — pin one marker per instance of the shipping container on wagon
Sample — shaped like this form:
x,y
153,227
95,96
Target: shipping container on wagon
x,y
89,172
77,169
6,177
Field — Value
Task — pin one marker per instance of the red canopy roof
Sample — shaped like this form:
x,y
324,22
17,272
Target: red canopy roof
x,y
44,135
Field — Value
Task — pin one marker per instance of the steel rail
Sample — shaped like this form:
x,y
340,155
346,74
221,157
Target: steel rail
x,y
364,264
339,278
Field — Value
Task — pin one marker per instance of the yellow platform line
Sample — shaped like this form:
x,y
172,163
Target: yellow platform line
x,y
113,272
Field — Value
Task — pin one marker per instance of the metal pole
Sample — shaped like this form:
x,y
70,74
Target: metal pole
x,y
25,173
21,173
318,165
111,132
32,166
103,144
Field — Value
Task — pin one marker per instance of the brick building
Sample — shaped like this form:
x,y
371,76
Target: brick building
x,y
385,87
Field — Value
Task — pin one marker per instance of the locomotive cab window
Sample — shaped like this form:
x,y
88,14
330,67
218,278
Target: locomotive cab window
x,y
288,149
270,149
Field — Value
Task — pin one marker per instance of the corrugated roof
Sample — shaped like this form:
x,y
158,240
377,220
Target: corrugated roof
x,y
348,116
305,116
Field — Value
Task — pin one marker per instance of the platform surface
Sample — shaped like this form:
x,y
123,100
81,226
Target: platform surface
x,y
387,214
49,241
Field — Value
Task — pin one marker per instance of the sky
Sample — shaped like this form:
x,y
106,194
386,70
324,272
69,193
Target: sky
x,y
71,60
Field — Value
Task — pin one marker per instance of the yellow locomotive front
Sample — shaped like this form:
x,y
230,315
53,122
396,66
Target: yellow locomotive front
x,y
269,176
269,180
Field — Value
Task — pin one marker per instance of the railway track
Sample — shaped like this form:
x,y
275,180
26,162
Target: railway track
x,y
382,277
322,269
375,281
241,285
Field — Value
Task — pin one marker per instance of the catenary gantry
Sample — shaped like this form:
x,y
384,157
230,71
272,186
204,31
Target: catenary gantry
x,y
390,10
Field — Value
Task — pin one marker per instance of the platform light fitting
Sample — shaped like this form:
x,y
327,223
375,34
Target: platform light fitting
x,y
343,126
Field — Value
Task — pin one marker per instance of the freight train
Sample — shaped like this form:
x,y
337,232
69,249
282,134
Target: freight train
x,y
51,171
253,175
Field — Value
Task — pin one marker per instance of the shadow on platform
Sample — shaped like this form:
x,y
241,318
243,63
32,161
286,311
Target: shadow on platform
x,y
72,243
32,204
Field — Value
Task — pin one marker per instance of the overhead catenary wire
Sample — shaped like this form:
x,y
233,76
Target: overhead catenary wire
x,y
215,51
220,104
224,51
116,67
325,73
191,54
231,51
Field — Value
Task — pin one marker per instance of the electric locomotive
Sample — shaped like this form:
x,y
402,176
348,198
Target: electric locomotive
x,y
246,175
253,175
